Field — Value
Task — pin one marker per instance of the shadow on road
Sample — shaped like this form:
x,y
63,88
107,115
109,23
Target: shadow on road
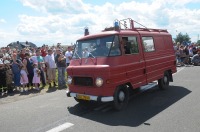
x,y
50,90
141,108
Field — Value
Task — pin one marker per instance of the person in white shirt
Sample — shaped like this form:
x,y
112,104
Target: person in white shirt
x,y
51,67
68,55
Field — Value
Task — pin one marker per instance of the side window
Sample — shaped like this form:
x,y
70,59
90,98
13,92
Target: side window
x,y
148,44
115,47
130,45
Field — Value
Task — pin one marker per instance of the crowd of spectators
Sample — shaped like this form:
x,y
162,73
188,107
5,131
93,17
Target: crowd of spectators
x,y
34,68
187,54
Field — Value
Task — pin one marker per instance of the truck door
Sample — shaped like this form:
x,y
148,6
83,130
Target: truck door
x,y
135,68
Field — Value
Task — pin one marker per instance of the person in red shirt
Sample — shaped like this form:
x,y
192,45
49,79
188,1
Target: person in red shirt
x,y
43,51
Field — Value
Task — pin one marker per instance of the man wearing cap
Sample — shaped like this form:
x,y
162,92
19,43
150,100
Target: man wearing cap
x,y
61,65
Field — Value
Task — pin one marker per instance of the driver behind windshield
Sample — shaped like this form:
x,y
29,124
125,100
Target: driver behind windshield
x,y
86,53
101,50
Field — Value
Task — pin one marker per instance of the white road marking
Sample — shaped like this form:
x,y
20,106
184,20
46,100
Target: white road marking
x,y
61,127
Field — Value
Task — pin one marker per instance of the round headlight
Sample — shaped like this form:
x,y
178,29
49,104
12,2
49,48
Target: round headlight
x,y
69,80
99,82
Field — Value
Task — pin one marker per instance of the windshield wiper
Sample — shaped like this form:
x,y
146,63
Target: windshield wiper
x,y
77,55
90,54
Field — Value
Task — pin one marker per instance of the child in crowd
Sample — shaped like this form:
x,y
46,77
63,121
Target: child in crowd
x,y
24,77
36,77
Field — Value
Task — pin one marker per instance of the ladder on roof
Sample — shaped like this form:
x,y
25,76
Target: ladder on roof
x,y
128,24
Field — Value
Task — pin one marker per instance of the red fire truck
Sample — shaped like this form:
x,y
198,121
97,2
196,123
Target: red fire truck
x,y
107,66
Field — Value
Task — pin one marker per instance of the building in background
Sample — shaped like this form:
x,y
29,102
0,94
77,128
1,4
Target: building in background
x,y
21,45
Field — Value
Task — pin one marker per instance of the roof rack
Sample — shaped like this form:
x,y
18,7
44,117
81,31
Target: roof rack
x,y
151,30
128,24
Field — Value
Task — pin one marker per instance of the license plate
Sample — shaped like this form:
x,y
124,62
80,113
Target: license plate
x,y
83,97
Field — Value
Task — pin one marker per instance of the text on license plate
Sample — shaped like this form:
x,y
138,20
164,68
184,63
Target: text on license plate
x,y
83,97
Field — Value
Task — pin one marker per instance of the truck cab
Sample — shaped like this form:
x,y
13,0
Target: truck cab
x,y
107,65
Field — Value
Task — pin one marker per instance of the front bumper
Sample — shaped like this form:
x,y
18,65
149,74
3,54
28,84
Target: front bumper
x,y
93,98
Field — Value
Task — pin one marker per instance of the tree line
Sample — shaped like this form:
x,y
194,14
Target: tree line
x,y
184,38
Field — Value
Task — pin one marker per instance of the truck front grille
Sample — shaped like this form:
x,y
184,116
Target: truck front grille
x,y
83,81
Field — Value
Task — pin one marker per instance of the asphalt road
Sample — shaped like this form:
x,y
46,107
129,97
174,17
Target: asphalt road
x,y
176,109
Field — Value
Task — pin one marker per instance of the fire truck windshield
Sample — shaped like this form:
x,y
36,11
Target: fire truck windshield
x,y
97,47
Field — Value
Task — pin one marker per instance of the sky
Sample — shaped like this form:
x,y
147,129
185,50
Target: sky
x,y
63,21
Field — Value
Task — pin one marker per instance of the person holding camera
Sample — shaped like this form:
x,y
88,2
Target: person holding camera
x,y
61,65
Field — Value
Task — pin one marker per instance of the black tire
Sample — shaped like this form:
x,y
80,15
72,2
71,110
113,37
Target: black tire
x,y
163,83
121,98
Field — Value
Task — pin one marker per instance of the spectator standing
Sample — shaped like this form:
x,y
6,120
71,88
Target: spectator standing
x,y
8,50
43,51
16,69
28,51
24,78
182,55
186,50
194,49
41,66
36,77
51,68
68,55
28,63
34,58
1,60
191,51
178,60
33,50
5,54
61,65
22,54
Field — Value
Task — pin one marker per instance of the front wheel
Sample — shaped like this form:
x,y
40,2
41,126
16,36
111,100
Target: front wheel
x,y
121,98
163,83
